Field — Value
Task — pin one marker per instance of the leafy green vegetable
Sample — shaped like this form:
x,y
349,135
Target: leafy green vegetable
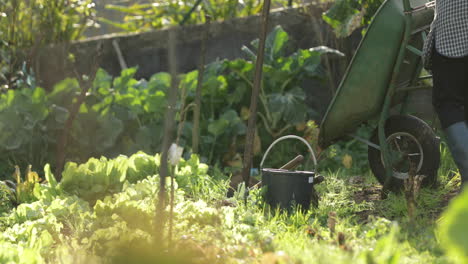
x,y
453,229
96,179
207,228
141,165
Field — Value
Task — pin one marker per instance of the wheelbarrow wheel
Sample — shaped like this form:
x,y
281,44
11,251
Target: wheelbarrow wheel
x,y
410,141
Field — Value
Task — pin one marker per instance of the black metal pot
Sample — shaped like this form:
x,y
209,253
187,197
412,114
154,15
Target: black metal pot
x,y
285,189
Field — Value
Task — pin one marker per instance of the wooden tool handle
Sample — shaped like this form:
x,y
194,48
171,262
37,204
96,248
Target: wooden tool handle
x,y
293,163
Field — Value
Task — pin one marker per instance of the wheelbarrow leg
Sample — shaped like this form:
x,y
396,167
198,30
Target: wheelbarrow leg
x,y
384,150
386,106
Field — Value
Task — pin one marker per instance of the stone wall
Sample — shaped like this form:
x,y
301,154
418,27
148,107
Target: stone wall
x,y
149,52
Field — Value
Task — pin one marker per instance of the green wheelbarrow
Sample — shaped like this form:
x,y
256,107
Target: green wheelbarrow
x,y
385,69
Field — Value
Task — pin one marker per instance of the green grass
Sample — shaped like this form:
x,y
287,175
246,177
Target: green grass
x,y
208,228
385,236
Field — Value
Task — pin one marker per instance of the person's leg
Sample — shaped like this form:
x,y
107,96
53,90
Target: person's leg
x,y
465,68
449,100
448,95
457,141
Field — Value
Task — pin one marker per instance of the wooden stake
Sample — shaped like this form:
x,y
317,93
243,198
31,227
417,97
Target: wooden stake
x,y
120,57
160,219
248,152
201,72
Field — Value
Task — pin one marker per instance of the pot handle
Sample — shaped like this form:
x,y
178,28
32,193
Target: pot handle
x,y
288,137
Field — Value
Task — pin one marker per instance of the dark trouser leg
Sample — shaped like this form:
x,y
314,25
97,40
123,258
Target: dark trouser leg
x,y
450,77
450,100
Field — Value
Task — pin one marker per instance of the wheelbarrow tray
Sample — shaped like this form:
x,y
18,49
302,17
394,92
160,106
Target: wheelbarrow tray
x,y
363,88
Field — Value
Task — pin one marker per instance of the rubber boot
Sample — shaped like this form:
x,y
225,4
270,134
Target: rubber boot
x,y
457,140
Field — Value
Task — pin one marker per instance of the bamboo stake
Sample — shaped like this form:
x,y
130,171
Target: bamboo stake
x,y
248,152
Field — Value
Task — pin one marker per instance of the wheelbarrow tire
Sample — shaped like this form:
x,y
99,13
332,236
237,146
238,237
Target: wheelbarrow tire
x,y
427,140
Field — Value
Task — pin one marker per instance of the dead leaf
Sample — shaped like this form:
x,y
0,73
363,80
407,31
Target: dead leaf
x,y
347,161
301,126
245,113
257,148
331,222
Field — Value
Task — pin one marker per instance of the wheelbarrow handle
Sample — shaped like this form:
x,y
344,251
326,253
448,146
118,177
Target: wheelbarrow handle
x,y
288,137
406,5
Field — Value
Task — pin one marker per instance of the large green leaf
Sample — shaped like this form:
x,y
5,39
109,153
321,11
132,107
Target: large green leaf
x,y
64,92
15,140
189,81
213,81
125,80
275,44
10,127
239,66
218,127
155,103
96,133
110,129
277,79
102,81
131,100
239,93
123,113
228,123
160,81
453,229
290,104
